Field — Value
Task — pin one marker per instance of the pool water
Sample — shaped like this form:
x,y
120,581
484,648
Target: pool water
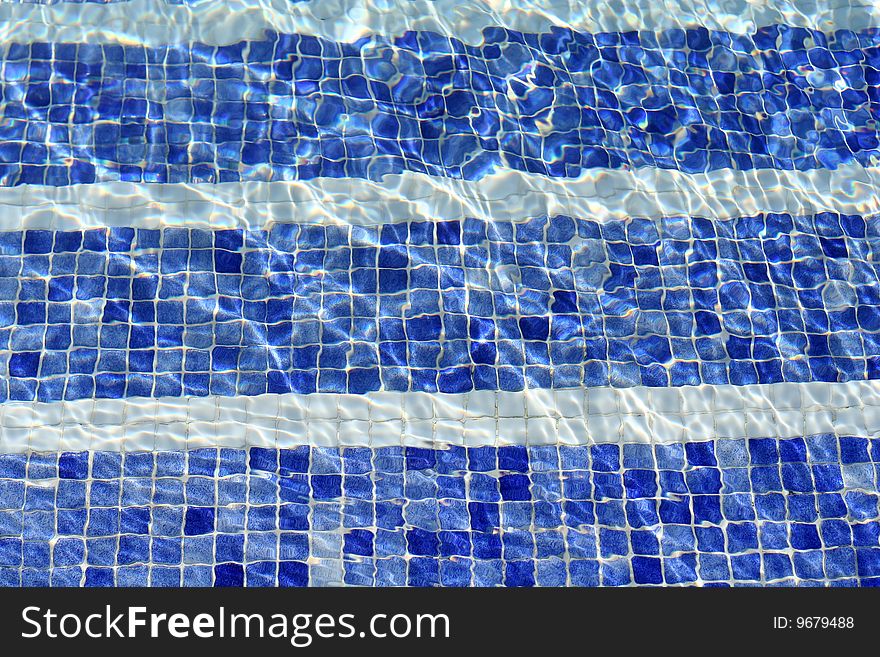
x,y
422,293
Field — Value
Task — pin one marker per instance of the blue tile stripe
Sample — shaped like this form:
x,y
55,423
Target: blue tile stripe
x,y
446,306
728,512
557,104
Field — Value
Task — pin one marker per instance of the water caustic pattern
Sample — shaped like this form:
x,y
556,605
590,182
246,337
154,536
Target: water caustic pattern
x,y
447,306
716,513
487,294
101,2
557,104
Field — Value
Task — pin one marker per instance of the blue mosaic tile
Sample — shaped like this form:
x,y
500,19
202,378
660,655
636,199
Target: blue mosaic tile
x,y
512,516
452,307
557,103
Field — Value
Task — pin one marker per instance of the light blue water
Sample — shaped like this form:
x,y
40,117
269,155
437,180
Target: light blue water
x,y
414,294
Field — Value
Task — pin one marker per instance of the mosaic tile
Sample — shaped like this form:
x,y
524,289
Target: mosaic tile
x,y
763,511
643,378
449,307
556,104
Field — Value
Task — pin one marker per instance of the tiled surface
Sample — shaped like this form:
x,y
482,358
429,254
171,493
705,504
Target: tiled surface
x,y
602,349
556,104
799,511
450,307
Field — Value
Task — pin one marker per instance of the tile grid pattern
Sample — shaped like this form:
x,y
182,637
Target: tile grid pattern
x,y
448,307
548,305
763,511
556,104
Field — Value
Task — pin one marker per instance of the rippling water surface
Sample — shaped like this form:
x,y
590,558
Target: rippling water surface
x,y
431,293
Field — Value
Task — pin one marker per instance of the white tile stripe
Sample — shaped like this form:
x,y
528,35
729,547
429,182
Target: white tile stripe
x,y
505,196
588,415
218,22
